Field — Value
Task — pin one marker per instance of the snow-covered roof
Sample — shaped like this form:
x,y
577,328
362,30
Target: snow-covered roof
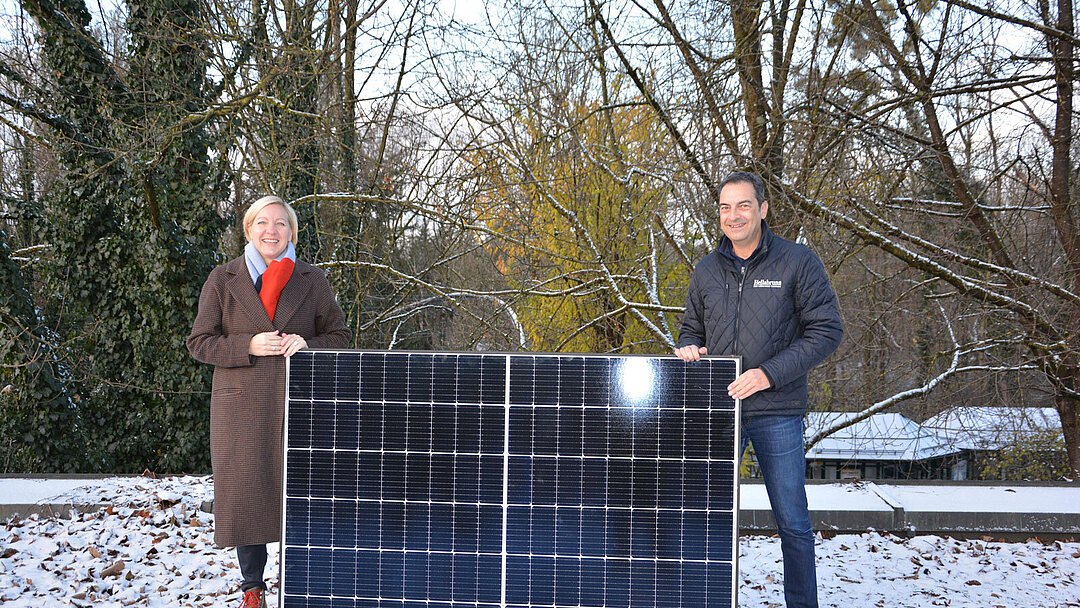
x,y
891,436
987,428
879,437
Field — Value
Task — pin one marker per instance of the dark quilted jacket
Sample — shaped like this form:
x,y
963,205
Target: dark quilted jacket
x,y
781,316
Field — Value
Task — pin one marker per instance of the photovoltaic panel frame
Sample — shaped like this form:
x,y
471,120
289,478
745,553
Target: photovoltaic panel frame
x,y
481,480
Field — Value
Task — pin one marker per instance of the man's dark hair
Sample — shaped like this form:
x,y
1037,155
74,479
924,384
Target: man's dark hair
x,y
745,177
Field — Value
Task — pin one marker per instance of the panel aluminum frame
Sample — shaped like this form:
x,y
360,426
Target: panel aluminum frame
x,y
482,480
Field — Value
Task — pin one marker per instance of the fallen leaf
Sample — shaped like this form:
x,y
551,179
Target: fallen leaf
x,y
973,583
113,570
93,551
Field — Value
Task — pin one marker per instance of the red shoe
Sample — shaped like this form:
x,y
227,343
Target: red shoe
x,y
253,598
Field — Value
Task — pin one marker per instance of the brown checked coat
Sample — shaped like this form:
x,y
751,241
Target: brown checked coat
x,y
247,404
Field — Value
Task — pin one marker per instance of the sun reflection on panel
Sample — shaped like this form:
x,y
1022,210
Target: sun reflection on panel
x,y
636,378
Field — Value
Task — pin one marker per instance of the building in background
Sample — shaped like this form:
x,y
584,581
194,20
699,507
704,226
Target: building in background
x,y
1000,442
957,444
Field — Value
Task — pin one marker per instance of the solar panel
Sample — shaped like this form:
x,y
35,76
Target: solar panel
x,y
464,480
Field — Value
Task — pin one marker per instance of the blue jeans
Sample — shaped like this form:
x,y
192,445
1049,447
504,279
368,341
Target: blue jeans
x,y
779,447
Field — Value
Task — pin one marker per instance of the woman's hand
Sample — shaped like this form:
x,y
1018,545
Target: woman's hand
x,y
266,344
292,343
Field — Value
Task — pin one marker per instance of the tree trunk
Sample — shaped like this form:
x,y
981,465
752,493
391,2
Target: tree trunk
x,y
299,86
1068,408
348,114
1062,50
748,57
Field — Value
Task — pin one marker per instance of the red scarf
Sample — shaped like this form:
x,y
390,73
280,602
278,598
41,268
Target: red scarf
x,y
273,281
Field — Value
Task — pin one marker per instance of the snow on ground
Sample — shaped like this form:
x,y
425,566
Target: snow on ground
x,y
31,491
153,547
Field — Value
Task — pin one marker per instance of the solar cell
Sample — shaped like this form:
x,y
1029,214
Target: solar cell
x,y
464,480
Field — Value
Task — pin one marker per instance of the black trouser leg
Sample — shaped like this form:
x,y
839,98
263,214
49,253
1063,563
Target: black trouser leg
x,y
252,560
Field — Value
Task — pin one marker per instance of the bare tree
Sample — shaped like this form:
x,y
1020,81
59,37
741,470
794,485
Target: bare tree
x,y
544,176
904,127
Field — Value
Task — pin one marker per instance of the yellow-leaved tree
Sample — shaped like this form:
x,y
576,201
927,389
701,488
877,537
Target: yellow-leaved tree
x,y
574,211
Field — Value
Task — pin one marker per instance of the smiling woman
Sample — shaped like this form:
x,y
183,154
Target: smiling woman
x,y
254,312
270,225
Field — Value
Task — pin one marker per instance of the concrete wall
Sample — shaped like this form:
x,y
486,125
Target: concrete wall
x,y
967,509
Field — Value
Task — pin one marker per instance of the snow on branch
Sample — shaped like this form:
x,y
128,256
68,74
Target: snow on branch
x,y
953,369
62,125
922,262
404,312
954,205
1012,273
498,296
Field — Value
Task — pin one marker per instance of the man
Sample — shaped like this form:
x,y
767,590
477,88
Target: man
x,y
769,301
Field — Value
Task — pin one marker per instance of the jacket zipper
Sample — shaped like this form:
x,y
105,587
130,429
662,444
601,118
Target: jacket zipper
x,y
738,302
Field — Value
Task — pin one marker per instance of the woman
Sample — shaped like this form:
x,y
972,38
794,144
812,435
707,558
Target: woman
x,y
255,311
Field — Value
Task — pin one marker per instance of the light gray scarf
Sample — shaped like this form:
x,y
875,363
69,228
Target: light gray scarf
x,y
255,264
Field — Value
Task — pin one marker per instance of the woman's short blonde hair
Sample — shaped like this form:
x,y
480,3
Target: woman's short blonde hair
x,y
262,203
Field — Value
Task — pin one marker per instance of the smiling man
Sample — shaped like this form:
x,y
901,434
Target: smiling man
x,y
767,300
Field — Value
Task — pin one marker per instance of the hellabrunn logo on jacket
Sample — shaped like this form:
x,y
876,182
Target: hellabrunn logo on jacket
x,y
768,283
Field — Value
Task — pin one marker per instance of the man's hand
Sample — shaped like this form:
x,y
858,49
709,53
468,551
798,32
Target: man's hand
x,y
691,353
750,382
